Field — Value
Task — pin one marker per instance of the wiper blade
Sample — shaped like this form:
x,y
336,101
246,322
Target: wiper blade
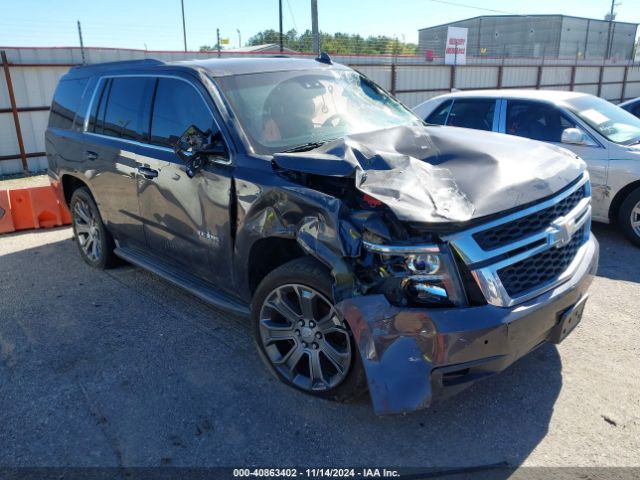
x,y
305,147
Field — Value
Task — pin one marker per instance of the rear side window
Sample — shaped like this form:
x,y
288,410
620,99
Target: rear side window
x,y
178,105
439,115
65,103
472,113
123,108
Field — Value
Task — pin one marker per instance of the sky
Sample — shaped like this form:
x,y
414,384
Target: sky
x,y
157,24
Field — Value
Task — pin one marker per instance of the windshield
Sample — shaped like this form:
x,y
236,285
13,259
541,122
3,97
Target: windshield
x,y
610,121
280,111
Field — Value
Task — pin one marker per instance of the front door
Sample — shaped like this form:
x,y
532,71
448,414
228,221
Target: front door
x,y
186,220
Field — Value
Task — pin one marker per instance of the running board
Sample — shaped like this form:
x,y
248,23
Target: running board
x,y
189,282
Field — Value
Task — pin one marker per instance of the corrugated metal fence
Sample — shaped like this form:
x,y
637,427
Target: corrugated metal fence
x,y
30,76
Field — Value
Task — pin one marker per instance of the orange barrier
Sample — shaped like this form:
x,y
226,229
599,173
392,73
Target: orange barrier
x,y
21,211
27,208
6,220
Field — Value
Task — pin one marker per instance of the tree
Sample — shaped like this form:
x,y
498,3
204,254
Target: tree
x,y
339,42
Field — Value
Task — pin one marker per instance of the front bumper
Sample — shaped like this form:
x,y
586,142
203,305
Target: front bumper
x,y
414,357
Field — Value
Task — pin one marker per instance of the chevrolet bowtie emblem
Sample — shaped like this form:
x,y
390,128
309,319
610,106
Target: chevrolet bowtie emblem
x,y
561,233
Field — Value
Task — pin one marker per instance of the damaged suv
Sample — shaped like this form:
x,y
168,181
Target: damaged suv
x,y
370,250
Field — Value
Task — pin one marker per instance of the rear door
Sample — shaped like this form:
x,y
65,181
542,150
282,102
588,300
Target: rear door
x,y
186,220
119,120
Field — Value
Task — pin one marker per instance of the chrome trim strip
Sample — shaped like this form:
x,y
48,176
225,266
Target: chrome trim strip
x,y
132,142
399,249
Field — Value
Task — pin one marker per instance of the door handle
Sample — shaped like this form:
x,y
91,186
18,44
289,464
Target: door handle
x,y
91,155
147,172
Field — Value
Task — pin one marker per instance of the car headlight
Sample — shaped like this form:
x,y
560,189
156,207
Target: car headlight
x,y
417,274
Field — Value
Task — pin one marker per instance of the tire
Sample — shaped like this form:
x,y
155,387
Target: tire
x,y
293,350
94,241
629,217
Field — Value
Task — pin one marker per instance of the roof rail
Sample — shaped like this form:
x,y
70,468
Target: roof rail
x,y
123,63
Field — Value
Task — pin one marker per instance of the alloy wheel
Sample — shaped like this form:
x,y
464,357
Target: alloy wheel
x,y
85,222
635,219
304,337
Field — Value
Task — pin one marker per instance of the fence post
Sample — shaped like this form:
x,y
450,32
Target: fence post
x,y
14,111
539,77
393,79
573,78
600,80
499,86
452,77
623,94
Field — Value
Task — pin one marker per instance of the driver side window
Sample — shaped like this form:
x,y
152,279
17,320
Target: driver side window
x,y
178,105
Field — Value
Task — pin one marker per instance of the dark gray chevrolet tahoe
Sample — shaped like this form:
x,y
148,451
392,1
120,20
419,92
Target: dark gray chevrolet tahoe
x,y
370,249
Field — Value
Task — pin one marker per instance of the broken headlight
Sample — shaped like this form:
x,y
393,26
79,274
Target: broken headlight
x,y
417,274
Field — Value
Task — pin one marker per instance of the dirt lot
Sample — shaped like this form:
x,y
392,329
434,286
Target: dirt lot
x,y
120,368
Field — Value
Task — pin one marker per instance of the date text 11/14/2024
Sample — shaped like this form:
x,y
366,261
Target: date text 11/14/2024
x,y
315,473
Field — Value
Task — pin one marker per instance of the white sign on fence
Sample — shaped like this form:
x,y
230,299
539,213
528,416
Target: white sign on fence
x,y
455,51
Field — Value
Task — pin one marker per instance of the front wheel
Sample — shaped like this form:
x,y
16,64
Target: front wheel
x,y
94,240
302,337
629,216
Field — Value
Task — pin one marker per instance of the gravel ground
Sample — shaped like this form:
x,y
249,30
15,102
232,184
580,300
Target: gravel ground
x,y
24,182
119,368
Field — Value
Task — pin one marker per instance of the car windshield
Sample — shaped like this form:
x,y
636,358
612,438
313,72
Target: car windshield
x,y
609,120
281,111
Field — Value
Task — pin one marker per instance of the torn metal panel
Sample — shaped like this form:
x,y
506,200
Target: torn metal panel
x,y
315,220
414,357
434,174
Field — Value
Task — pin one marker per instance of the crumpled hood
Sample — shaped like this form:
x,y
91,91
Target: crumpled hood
x,y
442,174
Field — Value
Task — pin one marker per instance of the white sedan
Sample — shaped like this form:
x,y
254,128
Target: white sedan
x,y
604,135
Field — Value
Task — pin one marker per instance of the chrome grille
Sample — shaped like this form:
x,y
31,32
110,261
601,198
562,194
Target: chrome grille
x,y
525,226
526,253
532,272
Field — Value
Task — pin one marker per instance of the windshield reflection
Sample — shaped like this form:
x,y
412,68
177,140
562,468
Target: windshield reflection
x,y
283,110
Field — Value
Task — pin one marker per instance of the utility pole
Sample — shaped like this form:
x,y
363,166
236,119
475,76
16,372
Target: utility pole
x,y
239,38
81,43
609,39
280,13
315,35
184,27
218,41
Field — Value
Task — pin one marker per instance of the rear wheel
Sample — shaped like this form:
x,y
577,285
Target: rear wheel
x,y
93,239
629,216
302,337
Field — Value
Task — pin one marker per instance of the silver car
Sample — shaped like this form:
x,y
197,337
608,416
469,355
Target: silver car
x,y
604,135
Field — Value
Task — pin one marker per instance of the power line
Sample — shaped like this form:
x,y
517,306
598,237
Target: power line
x,y
456,4
293,20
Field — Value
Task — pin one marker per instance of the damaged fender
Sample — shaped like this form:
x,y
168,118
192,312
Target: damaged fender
x,y
397,348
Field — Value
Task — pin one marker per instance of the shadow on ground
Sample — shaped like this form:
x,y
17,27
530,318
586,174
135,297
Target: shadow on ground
x,y
120,368
615,254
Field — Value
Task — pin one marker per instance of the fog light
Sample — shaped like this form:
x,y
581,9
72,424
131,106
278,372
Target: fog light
x,y
423,264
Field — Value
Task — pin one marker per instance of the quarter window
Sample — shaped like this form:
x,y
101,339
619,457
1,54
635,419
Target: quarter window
x,y
177,106
66,102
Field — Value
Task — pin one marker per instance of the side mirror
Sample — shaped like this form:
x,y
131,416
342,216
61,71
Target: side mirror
x,y
574,136
193,148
